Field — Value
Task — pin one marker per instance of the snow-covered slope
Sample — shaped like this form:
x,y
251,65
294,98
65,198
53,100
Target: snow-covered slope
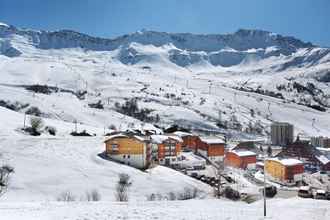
x,y
278,209
195,80
234,83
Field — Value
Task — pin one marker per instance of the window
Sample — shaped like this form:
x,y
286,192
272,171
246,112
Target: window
x,y
129,156
114,147
124,156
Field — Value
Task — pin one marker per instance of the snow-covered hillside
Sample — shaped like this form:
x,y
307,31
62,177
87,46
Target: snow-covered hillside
x,y
251,76
233,83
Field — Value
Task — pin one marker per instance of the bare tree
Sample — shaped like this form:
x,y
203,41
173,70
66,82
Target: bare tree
x,y
93,195
122,187
5,172
66,197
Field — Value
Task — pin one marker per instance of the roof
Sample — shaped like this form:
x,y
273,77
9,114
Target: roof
x,y
182,133
158,139
320,191
287,162
243,153
140,138
306,188
260,163
212,140
323,159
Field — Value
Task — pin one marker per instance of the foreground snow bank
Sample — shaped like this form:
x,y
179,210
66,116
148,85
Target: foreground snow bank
x,y
281,209
48,167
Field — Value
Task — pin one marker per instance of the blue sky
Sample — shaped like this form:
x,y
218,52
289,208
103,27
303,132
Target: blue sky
x,y
308,20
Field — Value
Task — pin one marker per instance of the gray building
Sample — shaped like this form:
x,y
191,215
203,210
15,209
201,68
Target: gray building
x,y
281,133
320,142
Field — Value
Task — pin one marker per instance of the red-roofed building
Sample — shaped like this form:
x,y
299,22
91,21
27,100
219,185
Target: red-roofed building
x,y
242,159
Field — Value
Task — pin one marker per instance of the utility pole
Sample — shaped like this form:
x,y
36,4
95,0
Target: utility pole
x,y
75,125
24,120
264,190
220,169
210,88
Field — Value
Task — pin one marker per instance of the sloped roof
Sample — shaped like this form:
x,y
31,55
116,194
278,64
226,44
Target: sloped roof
x,y
243,153
121,135
158,139
323,159
287,161
212,140
182,133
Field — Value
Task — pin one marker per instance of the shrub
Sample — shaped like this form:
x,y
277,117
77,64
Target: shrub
x,y
171,196
41,89
51,130
16,106
131,108
151,197
33,111
249,199
36,124
83,133
232,194
188,193
112,127
97,105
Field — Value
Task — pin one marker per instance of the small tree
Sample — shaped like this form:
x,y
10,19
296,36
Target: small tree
x,y
36,124
5,172
122,187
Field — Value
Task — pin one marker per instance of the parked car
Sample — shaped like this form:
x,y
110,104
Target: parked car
x,y
320,194
271,191
328,195
194,175
305,192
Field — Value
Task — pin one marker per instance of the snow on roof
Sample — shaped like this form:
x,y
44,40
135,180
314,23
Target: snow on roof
x,y
140,138
191,156
161,138
323,159
115,136
305,188
260,163
287,162
182,133
212,140
3,24
244,153
320,191
158,138
179,139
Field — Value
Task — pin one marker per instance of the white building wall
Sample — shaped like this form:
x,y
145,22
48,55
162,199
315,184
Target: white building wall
x,y
216,158
251,166
134,160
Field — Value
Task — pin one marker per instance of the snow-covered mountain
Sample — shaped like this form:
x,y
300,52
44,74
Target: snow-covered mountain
x,y
238,81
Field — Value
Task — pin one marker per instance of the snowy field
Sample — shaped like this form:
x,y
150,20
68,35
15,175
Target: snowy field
x,y
278,209
48,167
